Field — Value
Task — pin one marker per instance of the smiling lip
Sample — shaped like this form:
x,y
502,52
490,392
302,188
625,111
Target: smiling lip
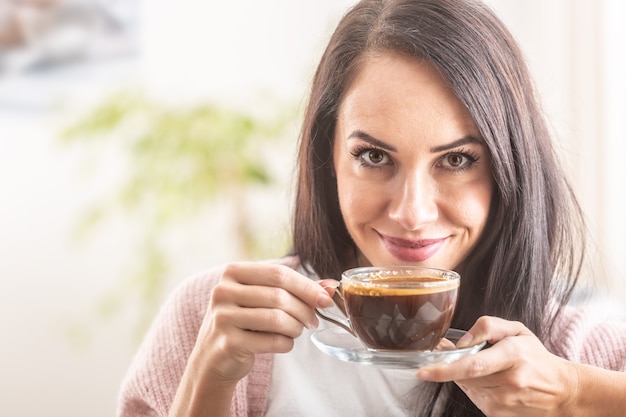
x,y
411,250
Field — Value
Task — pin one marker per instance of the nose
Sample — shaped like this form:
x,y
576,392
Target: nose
x,y
413,203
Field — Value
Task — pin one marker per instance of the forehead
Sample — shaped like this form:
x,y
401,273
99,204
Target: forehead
x,y
403,91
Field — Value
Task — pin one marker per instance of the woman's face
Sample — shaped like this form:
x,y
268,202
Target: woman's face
x,y
413,173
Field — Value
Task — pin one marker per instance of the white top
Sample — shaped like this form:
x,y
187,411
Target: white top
x,y
308,383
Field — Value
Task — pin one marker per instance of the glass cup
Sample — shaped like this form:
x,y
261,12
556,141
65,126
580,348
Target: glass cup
x,y
397,307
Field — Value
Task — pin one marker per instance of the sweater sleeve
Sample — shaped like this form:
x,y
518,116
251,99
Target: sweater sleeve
x,y
152,379
157,368
579,337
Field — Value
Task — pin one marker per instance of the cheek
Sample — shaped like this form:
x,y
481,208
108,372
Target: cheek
x,y
358,200
471,209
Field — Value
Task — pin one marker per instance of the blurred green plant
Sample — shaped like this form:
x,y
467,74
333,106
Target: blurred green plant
x,y
179,161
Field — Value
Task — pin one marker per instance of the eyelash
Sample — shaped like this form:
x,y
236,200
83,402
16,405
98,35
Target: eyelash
x,y
471,156
359,151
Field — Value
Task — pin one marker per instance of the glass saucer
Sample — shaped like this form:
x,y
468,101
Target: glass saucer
x,y
341,345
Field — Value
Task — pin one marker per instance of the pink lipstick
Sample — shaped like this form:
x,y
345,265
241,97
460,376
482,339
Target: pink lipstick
x,y
411,250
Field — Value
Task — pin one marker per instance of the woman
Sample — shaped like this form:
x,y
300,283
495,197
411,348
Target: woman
x,y
422,144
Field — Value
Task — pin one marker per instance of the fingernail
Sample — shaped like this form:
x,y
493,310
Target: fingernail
x,y
313,324
324,301
465,340
423,374
330,284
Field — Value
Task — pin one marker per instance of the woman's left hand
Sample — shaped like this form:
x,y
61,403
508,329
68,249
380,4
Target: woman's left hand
x,y
517,376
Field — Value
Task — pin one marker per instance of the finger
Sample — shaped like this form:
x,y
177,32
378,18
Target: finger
x,y
445,344
491,329
237,342
330,285
254,297
269,320
481,364
264,342
501,356
279,276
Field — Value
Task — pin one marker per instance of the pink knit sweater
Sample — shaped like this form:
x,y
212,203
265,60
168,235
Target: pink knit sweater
x,y
154,375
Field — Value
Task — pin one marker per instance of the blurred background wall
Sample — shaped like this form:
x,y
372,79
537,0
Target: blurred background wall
x,y
76,291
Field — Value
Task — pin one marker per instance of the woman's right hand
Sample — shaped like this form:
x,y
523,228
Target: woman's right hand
x,y
256,307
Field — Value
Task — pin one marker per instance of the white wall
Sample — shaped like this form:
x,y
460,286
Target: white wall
x,y
199,49
237,51
58,358
575,51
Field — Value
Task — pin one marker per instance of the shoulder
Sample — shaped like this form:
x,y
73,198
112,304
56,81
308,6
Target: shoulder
x,y
580,335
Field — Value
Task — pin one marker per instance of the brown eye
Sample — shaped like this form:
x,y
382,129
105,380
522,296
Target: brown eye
x,y
375,156
371,157
455,159
458,161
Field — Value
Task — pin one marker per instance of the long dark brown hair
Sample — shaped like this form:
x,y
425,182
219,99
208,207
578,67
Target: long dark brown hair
x,y
532,248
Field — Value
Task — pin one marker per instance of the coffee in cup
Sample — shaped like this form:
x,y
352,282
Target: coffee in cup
x,y
397,307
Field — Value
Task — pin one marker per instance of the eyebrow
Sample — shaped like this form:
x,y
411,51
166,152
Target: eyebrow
x,y
359,134
459,142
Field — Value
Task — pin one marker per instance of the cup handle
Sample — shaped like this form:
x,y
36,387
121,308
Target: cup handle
x,y
334,318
